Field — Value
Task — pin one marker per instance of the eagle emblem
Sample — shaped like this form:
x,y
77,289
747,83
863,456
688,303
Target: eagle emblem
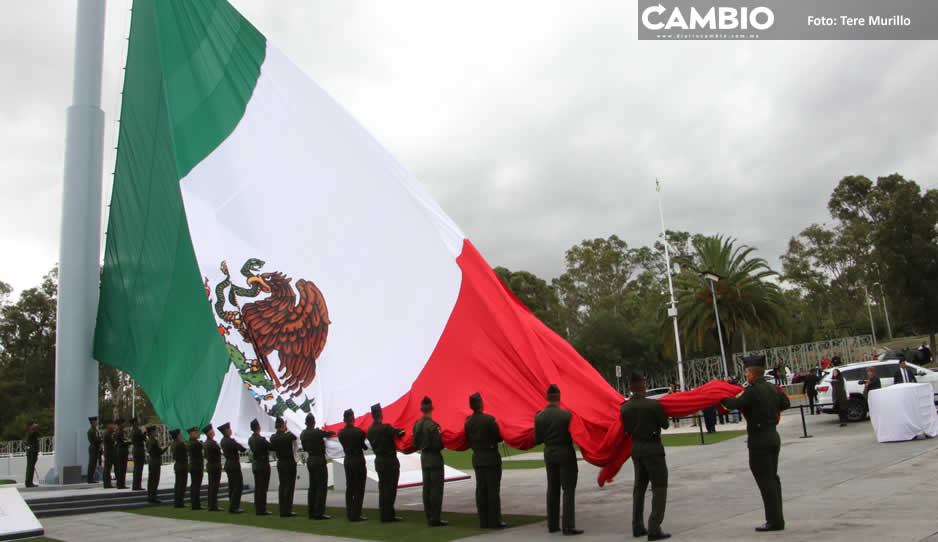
x,y
269,316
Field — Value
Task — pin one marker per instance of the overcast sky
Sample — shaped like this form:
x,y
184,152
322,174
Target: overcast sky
x,y
534,124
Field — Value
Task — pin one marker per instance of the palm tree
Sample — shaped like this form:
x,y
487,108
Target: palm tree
x,y
745,298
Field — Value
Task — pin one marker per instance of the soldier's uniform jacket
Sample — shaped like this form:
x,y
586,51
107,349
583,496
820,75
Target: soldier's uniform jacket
x,y
552,427
32,441
381,436
94,439
231,450
155,451
644,419
352,440
195,454
212,453
110,451
282,443
180,453
260,449
483,436
761,403
428,440
138,439
121,442
314,444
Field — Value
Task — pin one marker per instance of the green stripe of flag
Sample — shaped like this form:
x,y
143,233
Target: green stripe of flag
x,y
191,69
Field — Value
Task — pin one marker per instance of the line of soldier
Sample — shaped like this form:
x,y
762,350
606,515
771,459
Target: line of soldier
x,y
642,418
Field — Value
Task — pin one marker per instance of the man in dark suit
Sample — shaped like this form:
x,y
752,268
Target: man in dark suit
x,y
32,452
552,427
872,382
809,388
644,419
761,402
904,373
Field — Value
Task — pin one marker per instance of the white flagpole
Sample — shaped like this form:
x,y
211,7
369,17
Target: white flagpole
x,y
76,371
672,311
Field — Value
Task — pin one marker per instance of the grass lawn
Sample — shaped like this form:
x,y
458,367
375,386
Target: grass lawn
x,y
6,482
463,460
414,527
693,439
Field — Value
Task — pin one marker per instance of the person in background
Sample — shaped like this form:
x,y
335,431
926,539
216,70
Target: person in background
x,y
675,421
904,373
809,388
924,354
839,393
32,452
872,382
94,448
835,361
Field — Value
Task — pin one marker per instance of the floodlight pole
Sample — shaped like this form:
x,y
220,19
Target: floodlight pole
x,y
869,309
885,310
76,371
716,311
672,310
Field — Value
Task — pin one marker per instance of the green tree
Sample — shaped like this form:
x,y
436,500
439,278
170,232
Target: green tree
x,y
538,296
747,301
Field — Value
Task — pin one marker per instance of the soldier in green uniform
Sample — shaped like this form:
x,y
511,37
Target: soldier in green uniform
x,y
138,440
483,436
32,452
155,464
94,449
180,468
314,445
232,452
283,442
212,467
552,428
644,419
110,454
428,440
381,436
122,446
761,402
196,468
352,440
260,466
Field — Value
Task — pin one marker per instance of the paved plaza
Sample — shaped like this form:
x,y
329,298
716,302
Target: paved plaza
x,y
839,485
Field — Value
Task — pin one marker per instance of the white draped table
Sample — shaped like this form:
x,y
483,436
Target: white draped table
x,y
903,412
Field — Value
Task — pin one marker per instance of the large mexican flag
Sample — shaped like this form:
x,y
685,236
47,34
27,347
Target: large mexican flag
x,y
266,256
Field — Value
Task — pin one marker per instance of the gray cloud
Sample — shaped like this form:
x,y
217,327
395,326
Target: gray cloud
x,y
536,124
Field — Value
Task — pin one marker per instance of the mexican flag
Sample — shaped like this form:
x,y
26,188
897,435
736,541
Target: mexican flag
x,y
267,257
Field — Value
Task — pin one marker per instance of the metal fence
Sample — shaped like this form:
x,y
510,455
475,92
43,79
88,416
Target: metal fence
x,y
796,357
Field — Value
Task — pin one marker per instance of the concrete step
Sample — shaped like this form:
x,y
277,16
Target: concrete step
x,y
97,501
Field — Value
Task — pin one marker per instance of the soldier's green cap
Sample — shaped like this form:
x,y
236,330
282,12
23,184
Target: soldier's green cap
x,y
279,421
310,418
426,402
224,427
92,418
192,429
207,428
349,413
754,361
376,409
553,390
474,400
174,433
255,424
637,376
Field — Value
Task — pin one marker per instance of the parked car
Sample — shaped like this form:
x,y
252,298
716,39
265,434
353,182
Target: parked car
x,y
854,376
657,393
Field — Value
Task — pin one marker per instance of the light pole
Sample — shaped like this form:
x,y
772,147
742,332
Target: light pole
x,y
869,309
885,310
712,277
672,310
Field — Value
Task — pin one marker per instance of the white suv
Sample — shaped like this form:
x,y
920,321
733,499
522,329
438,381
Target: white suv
x,y
855,378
